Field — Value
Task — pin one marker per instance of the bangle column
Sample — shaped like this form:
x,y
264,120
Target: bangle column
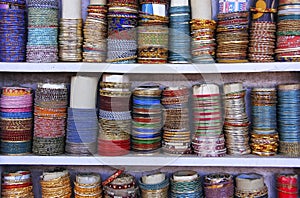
x,y
42,44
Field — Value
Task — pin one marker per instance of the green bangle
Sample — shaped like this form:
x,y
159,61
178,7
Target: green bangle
x,y
288,33
146,141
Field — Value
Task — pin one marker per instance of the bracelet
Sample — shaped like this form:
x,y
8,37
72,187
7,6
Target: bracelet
x,y
16,91
114,85
112,177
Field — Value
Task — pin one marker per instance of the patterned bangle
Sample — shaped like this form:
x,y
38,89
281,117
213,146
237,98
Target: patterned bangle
x,y
115,93
153,52
16,91
110,115
161,185
114,85
147,92
125,186
121,59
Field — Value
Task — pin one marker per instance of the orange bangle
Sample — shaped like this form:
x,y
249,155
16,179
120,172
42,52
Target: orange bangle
x,y
5,186
16,91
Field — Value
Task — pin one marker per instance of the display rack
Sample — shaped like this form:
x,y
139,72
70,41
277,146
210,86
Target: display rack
x,y
268,166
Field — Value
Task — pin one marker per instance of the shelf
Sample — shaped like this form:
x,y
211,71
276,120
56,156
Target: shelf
x,y
150,68
157,160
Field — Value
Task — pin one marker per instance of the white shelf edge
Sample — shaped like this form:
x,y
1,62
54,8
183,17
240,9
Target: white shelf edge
x,y
150,68
160,160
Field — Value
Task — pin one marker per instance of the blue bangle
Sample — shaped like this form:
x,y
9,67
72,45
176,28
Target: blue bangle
x,y
146,102
179,9
145,136
15,147
158,186
18,115
145,130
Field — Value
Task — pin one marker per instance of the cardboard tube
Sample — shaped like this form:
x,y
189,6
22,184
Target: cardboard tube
x,y
201,9
71,9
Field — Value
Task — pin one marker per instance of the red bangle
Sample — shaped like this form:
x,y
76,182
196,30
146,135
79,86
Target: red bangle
x,y
174,93
112,177
115,186
6,186
207,119
206,113
146,120
205,95
236,125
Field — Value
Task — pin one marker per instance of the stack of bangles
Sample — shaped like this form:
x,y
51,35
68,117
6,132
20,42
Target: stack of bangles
x,y
208,139
287,186
88,185
16,120
288,114
264,137
153,32
42,42
288,31
203,41
95,33
120,185
250,185
70,40
154,185
56,184
50,114
82,130
114,115
179,36
176,130
236,124
122,32
146,124
232,37
218,185
17,184
262,32
186,184
13,31
262,42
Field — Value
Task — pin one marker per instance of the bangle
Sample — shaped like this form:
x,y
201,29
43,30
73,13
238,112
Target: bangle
x,y
114,85
112,177
16,91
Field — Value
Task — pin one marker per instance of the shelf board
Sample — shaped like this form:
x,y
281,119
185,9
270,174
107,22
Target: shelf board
x,y
157,160
150,68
